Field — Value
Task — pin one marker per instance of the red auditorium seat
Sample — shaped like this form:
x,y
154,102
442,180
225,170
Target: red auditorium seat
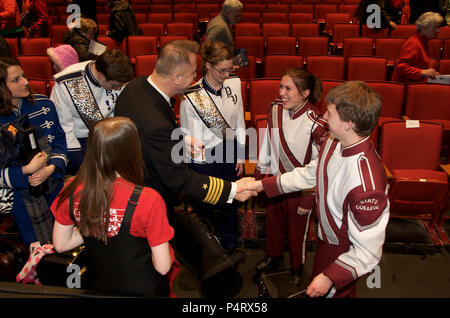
x,y
320,11
160,17
186,17
326,87
248,72
13,44
444,66
275,29
247,28
332,18
434,48
253,7
358,46
428,102
389,48
254,17
163,40
102,29
350,9
277,7
145,64
446,49
152,29
36,67
352,1
305,29
112,44
141,45
300,17
444,32
262,92
417,189
253,43
160,8
186,29
34,46
204,9
276,65
374,33
366,68
103,18
141,17
281,45
341,31
302,8
140,8
313,45
393,95
403,31
38,86
326,67
57,33
274,17
184,7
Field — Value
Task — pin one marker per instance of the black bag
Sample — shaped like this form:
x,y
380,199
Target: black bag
x,y
13,256
279,285
200,248
54,270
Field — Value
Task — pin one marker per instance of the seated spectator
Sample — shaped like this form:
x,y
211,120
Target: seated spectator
x,y
9,14
62,56
414,65
85,93
122,21
80,38
132,240
390,10
35,18
20,177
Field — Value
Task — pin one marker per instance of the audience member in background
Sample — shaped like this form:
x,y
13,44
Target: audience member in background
x,y
413,64
5,51
292,139
9,14
29,208
35,18
122,21
218,28
391,12
80,38
122,224
62,56
418,7
88,8
85,93
213,113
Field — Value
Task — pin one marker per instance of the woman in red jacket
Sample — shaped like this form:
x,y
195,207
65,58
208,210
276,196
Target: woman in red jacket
x,y
414,65
37,25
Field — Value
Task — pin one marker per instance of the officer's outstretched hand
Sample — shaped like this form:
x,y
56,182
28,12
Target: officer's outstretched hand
x,y
242,194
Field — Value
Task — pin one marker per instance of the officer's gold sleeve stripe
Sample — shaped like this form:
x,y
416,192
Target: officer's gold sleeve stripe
x,y
210,190
219,191
216,189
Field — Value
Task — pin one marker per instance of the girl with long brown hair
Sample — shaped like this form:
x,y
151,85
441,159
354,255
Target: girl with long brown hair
x,y
123,225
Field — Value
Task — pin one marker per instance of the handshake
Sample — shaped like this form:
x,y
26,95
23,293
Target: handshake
x,y
247,187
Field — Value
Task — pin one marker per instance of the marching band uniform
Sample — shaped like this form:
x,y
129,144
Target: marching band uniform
x,y
80,101
216,118
352,209
290,141
14,184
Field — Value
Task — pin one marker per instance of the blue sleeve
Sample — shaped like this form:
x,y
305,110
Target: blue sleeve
x,y
12,177
59,156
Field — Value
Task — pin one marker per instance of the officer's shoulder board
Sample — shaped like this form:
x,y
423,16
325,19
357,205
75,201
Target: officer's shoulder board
x,y
69,76
193,88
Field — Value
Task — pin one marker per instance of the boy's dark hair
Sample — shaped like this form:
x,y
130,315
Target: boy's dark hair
x,y
115,65
357,102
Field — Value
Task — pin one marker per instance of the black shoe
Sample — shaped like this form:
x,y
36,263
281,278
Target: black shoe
x,y
297,275
269,263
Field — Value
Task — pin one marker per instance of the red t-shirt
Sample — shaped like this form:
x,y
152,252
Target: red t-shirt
x,y
149,219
